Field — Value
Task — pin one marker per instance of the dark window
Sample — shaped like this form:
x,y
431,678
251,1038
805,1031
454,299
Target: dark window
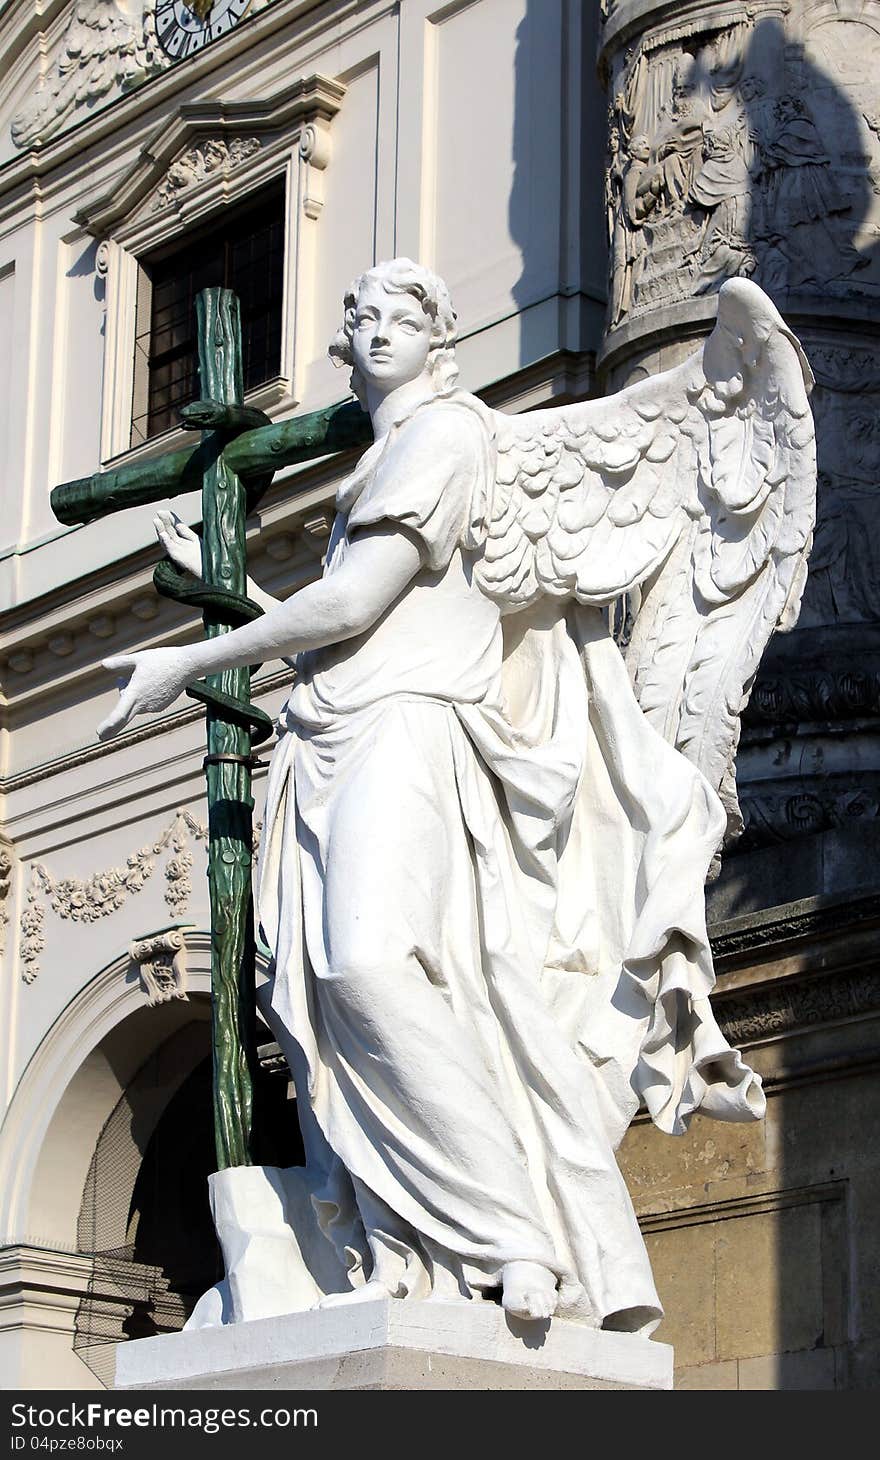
x,y
244,251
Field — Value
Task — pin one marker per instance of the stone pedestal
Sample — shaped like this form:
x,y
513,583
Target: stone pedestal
x,y
395,1345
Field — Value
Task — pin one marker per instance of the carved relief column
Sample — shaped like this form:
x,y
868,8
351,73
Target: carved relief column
x,y
744,139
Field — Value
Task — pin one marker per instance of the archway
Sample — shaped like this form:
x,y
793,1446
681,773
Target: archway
x,y
106,1231
75,1079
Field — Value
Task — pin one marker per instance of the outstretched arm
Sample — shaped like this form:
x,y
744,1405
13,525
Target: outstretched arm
x,y
376,569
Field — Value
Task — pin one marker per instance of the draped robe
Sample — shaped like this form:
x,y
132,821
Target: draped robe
x,y
483,884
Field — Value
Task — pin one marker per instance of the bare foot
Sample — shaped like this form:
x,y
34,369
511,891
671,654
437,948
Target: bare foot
x,y
529,1290
371,1292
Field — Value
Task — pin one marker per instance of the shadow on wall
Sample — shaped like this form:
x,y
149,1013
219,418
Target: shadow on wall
x,y
743,152
744,157
555,210
736,151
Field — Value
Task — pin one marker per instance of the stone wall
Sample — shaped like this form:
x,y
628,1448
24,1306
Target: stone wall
x,y
763,1238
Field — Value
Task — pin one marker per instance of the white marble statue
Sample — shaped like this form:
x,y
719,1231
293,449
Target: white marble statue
x,y
488,831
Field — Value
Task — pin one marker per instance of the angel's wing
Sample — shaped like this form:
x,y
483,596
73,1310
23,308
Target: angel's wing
x,y
697,487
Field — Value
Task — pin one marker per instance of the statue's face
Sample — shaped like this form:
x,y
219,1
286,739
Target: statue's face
x,y
392,337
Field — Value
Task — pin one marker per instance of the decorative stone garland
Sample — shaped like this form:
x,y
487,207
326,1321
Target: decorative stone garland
x,y
87,900
6,865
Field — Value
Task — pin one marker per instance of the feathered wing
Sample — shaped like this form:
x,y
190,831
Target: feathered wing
x,y
695,490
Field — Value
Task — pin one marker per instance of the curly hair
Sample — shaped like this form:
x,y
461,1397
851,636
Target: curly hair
x,y
402,276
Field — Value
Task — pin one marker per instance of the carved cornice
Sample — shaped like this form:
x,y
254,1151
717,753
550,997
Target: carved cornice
x,y
783,810
60,635
101,626
311,101
797,967
669,20
800,966
58,1265
50,1281
784,1008
806,694
686,321
36,774
21,21
54,1284
776,927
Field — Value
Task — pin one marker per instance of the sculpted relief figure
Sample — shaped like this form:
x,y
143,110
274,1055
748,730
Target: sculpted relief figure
x,y
802,198
657,233
760,155
723,188
679,142
639,193
486,834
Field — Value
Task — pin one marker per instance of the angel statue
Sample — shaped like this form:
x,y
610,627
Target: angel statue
x,y
487,829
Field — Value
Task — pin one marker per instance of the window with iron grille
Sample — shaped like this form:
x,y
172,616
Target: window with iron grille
x,y
242,250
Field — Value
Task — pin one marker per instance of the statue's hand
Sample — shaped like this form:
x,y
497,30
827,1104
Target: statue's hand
x,y
182,545
150,681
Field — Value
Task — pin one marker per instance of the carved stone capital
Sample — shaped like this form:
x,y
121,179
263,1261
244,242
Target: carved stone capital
x,y
784,810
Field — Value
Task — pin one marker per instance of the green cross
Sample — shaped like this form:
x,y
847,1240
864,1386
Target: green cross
x,y
239,451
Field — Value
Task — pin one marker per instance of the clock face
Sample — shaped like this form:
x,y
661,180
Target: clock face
x,y
184,28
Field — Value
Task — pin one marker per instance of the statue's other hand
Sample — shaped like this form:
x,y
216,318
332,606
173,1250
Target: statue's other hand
x,y
149,682
182,545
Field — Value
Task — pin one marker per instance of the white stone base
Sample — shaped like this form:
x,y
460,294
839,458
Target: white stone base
x,y
395,1344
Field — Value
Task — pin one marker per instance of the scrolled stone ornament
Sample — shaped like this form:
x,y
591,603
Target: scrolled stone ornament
x,y
486,835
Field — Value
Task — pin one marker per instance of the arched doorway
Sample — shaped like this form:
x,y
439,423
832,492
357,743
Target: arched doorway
x,y
149,1283
104,1149
144,1216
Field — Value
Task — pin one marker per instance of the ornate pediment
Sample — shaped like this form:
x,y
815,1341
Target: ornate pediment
x,y
200,154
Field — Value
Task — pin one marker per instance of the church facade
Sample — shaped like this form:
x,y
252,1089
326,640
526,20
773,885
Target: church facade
x,y
583,178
